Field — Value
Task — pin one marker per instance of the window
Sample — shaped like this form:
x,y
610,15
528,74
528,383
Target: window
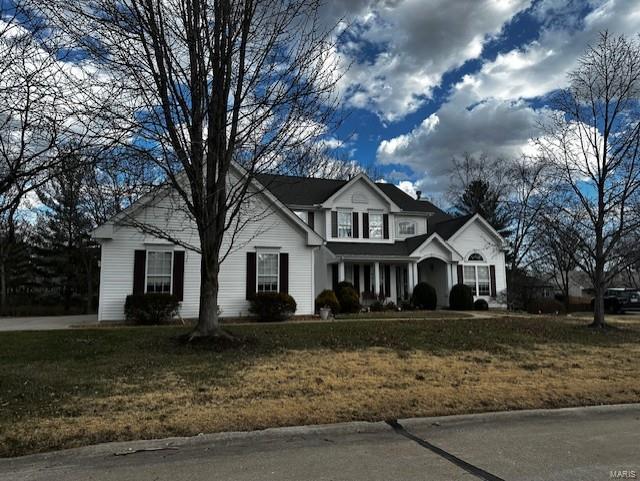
x,y
407,228
375,226
159,271
302,214
478,279
483,280
344,224
267,272
476,257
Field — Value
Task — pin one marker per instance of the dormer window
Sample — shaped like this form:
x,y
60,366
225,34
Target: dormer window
x,y
375,226
345,229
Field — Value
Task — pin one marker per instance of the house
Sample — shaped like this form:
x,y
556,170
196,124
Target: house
x,y
315,233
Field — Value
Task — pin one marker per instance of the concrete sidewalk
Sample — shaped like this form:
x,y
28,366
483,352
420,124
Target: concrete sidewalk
x,y
578,444
46,323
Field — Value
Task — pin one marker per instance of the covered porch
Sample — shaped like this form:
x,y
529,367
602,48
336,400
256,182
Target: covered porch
x,y
393,280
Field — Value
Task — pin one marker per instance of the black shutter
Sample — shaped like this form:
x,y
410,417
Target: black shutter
x,y
356,278
387,281
139,268
284,273
178,274
311,220
334,224
355,225
385,225
367,278
251,275
365,225
492,273
460,276
334,277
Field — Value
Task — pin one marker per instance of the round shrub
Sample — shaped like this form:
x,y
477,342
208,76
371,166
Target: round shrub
x,y
390,306
348,298
424,296
545,306
273,306
150,308
481,305
327,298
461,298
377,306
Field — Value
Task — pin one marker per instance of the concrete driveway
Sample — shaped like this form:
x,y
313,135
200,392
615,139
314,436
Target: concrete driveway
x,y
45,323
582,444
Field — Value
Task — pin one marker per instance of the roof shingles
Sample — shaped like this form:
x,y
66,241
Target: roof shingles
x,y
308,191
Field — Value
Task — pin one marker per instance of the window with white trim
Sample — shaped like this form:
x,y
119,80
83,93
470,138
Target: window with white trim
x,y
478,279
344,224
407,228
375,226
159,264
476,257
267,271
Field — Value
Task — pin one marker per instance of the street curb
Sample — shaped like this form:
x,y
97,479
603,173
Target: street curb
x,y
323,430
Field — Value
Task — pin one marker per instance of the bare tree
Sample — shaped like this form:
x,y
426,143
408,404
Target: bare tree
x,y
557,237
520,189
593,141
214,93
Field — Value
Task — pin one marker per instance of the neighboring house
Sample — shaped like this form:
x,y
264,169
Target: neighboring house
x,y
317,232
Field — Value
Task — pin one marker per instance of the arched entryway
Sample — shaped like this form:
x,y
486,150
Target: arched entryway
x,y
436,272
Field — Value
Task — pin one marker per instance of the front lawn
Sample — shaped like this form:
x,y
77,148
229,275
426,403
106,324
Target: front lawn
x,y
61,389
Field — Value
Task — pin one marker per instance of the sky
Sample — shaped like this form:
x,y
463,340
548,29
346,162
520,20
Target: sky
x,y
425,81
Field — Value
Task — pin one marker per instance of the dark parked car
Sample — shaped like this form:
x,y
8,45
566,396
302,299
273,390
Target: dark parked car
x,y
618,300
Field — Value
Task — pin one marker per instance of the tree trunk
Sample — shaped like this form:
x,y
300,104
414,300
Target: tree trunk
x,y
3,284
208,316
598,305
89,286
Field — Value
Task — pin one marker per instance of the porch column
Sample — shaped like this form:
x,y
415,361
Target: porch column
x,y
410,282
376,278
413,275
341,271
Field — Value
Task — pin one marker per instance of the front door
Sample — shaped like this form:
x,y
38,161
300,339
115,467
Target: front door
x,y
402,283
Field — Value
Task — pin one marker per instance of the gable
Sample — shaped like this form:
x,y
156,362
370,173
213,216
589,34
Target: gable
x,y
435,246
360,194
477,236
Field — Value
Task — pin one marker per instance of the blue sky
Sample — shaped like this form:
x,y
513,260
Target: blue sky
x,y
433,79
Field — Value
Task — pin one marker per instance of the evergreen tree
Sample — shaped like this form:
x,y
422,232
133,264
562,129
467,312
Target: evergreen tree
x,y
478,197
66,257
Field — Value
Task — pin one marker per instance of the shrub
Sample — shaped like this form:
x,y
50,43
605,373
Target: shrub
x,y
461,298
390,306
376,307
424,296
327,298
406,306
544,306
150,308
348,298
481,305
273,306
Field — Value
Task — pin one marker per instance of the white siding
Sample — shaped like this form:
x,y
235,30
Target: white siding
x,y
359,197
275,231
476,238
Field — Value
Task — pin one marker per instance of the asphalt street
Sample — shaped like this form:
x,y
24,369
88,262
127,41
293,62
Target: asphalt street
x,y
580,444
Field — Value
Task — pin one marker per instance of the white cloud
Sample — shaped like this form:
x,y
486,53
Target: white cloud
x,y
419,41
489,112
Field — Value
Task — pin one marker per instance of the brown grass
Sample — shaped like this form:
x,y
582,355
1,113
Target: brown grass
x,y
291,376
